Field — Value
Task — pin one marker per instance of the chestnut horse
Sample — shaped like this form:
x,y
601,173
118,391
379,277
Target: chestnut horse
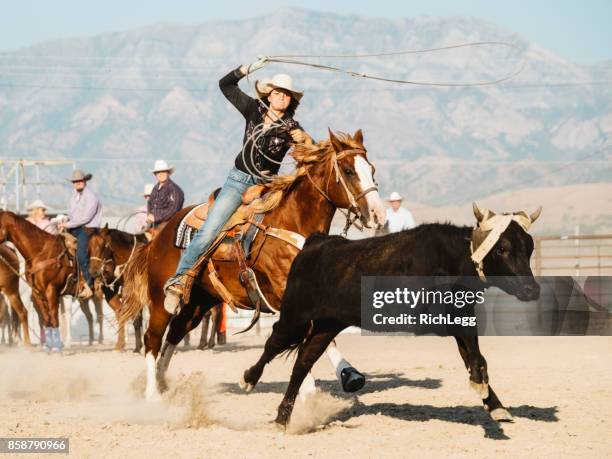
x,y
47,268
9,285
332,174
109,251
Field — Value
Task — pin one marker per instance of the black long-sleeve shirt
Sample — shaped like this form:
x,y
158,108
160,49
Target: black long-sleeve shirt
x,y
164,202
274,143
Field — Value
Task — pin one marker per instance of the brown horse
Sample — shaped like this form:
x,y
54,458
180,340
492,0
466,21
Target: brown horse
x,y
109,251
330,175
47,268
9,286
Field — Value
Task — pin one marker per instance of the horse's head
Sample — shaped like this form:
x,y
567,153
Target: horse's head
x,y
6,222
351,184
502,249
100,253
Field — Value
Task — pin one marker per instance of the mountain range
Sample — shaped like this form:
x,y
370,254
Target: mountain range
x,y
113,103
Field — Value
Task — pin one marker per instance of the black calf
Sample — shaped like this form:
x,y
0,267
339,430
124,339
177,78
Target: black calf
x,y
323,293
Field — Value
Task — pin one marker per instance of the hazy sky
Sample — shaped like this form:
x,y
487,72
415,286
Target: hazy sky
x,y
578,30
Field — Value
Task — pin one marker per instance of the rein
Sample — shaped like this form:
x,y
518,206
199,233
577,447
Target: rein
x,y
121,268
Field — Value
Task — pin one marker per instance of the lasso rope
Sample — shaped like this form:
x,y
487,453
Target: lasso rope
x,y
292,60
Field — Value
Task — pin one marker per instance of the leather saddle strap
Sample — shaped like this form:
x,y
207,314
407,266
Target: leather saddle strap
x,y
219,287
290,237
192,273
40,265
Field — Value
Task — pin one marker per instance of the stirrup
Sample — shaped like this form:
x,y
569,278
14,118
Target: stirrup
x,y
174,297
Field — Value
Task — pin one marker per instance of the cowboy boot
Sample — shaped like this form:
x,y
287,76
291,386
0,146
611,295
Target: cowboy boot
x,y
85,293
174,295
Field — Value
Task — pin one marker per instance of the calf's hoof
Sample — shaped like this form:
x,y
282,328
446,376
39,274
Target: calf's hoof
x,y
245,386
501,415
482,389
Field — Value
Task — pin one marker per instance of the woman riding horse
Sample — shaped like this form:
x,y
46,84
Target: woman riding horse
x,y
266,151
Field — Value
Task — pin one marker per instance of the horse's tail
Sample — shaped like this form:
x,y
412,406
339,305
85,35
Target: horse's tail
x,y
299,340
135,294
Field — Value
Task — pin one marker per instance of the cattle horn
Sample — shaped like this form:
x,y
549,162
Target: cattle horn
x,y
534,216
477,212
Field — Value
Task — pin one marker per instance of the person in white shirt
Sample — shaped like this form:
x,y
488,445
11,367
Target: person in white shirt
x,y
398,218
140,221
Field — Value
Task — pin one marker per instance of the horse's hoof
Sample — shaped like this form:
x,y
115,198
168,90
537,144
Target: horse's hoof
x,y
352,380
501,415
245,386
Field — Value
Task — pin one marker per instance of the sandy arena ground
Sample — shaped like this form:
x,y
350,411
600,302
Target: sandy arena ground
x,y
416,402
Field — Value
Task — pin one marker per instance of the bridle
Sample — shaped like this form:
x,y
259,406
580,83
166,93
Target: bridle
x,y
353,199
119,269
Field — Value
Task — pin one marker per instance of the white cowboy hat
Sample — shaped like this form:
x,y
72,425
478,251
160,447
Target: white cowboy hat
x,y
37,204
395,196
79,176
148,189
282,81
162,166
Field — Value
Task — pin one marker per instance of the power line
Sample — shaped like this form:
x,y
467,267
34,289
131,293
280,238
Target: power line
x,y
314,90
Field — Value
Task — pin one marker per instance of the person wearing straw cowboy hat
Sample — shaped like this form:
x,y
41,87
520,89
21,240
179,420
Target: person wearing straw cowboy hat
x,y
38,216
140,220
269,132
84,211
166,197
398,218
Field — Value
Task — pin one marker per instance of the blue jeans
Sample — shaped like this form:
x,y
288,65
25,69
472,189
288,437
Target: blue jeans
x,y
82,252
228,200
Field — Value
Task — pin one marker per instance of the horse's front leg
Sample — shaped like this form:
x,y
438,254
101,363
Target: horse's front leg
x,y
65,304
52,306
158,321
476,365
188,318
84,305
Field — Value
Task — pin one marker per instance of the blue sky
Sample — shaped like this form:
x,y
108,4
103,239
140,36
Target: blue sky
x,y
577,30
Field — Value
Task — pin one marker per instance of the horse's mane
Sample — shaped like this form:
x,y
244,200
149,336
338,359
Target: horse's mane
x,y
123,237
29,226
305,155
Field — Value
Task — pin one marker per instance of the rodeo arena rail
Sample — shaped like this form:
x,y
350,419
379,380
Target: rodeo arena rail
x,y
23,180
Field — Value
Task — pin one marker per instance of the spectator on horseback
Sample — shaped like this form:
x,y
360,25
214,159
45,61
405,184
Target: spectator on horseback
x,y
398,218
38,217
269,132
84,211
140,220
166,197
